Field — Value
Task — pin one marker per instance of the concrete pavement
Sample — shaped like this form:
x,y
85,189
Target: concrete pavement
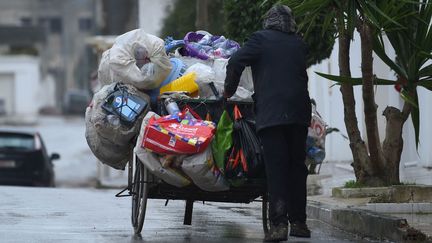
x,y
383,221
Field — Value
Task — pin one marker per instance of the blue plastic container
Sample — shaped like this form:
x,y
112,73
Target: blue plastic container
x,y
178,69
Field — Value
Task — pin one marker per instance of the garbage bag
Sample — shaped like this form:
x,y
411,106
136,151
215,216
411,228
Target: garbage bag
x,y
152,160
203,171
109,153
246,157
110,126
136,58
244,90
105,74
246,80
223,140
204,77
111,140
207,46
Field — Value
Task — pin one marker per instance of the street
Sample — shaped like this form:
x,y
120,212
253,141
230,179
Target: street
x,y
95,215
77,212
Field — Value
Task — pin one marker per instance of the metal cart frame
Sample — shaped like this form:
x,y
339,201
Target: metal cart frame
x,y
142,185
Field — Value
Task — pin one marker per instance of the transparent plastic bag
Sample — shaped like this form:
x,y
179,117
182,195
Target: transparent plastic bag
x,y
136,58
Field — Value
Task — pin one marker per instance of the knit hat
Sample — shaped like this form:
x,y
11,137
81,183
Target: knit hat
x,y
280,17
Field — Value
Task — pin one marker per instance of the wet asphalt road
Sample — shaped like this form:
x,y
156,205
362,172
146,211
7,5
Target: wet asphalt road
x,y
94,215
76,212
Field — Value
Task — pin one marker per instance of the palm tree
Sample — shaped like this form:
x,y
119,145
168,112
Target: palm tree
x,y
403,22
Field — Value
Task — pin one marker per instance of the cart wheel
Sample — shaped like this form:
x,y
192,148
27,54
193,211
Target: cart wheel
x,y
130,175
265,214
139,195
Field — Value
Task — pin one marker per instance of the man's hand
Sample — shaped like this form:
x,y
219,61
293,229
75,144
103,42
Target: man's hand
x,y
226,96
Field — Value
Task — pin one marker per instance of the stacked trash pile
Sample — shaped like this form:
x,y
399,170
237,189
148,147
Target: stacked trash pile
x,y
140,72
135,63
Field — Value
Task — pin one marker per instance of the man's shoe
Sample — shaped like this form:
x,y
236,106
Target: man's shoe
x,y
299,229
277,233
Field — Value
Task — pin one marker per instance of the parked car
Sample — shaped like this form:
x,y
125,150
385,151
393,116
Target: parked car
x,y
24,159
75,102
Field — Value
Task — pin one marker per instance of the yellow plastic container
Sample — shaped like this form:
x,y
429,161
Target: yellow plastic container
x,y
184,83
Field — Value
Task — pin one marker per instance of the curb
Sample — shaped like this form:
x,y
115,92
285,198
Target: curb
x,y
366,223
395,193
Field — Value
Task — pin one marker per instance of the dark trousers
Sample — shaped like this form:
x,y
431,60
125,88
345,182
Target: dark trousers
x,y
284,154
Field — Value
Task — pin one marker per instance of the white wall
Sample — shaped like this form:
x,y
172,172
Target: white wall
x,y
425,147
26,73
330,105
151,15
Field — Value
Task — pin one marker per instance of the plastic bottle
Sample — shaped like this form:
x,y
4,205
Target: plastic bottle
x,y
171,106
113,120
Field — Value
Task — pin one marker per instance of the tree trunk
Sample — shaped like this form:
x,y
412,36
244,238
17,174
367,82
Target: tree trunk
x,y
393,142
376,155
361,159
201,21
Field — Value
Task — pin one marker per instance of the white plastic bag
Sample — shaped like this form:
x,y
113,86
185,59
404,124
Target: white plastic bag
x,y
124,65
169,175
109,126
105,75
203,171
152,161
107,152
110,140
204,76
244,90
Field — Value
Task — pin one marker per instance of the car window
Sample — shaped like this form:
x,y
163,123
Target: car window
x,y
17,142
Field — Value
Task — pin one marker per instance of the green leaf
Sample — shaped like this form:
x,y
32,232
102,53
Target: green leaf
x,y
379,49
354,81
415,117
380,13
408,98
426,83
341,79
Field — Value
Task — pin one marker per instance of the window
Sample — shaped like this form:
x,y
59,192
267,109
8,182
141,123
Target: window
x,y
43,22
26,21
85,24
16,142
55,25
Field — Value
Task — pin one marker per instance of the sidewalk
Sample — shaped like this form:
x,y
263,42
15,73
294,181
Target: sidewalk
x,y
391,221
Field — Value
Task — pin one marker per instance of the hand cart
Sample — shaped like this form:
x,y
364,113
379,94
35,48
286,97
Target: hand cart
x,y
142,185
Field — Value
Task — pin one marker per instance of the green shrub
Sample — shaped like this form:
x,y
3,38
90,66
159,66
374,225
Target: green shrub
x,y
352,184
181,19
243,17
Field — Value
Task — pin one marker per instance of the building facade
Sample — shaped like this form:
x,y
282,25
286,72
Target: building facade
x,y
19,89
65,24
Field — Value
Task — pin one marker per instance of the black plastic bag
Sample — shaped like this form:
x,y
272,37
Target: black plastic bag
x,y
246,157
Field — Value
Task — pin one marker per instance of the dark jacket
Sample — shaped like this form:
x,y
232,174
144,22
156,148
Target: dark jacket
x,y
278,62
